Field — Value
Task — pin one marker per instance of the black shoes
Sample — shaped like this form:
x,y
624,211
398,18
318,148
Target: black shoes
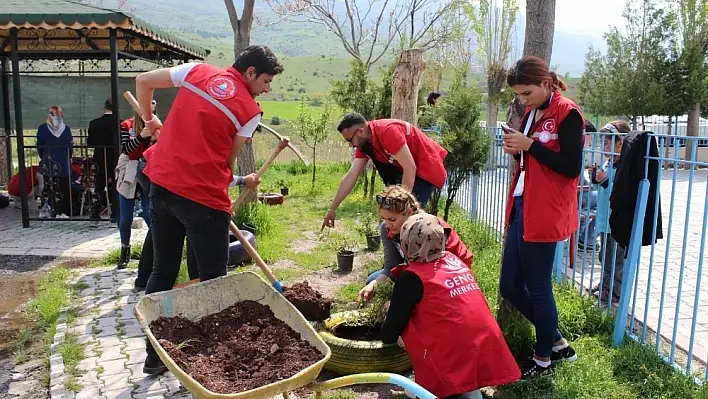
x,y
153,365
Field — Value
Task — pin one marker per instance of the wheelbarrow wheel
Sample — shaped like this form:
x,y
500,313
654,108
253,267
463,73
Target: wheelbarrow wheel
x,y
354,357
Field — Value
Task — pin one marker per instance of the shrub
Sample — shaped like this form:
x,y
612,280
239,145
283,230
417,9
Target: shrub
x,y
275,120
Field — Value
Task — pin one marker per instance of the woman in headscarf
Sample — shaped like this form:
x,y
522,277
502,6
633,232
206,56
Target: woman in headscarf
x,y
442,318
54,146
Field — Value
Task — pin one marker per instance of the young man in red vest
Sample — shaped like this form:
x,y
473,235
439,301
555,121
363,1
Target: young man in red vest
x,y
401,152
191,164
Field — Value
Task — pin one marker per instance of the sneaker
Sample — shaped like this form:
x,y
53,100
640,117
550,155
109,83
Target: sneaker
x,y
138,288
603,297
564,354
153,366
531,369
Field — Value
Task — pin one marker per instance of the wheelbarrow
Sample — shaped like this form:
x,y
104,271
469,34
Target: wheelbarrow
x,y
204,298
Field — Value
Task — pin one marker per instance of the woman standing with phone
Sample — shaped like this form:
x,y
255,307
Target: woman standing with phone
x,y
542,204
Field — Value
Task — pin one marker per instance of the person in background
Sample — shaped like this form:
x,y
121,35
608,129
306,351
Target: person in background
x,y
542,203
401,152
441,317
34,186
433,98
129,173
55,147
191,166
611,254
103,136
397,204
588,203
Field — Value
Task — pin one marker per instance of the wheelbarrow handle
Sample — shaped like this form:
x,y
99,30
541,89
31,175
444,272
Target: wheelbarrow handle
x,y
256,258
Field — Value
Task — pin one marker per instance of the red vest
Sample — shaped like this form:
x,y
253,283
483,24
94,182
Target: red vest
x,y
550,199
452,339
427,154
190,158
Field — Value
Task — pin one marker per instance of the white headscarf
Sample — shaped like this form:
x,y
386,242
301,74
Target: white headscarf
x,y
55,121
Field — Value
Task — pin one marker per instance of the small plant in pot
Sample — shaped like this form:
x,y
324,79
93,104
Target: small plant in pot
x,y
369,228
345,252
284,190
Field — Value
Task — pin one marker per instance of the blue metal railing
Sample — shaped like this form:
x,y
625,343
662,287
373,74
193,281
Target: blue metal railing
x,y
662,297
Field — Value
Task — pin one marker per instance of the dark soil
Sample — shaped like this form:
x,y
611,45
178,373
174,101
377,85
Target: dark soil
x,y
309,302
358,333
238,349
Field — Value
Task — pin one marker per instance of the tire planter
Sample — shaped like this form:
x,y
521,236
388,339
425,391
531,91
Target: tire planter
x,y
353,357
345,261
373,242
237,253
249,227
271,198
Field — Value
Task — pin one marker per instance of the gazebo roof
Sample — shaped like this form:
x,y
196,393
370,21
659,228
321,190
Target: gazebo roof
x,y
49,26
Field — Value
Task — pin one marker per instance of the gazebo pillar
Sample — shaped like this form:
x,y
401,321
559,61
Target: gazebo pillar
x,y
17,96
4,72
113,36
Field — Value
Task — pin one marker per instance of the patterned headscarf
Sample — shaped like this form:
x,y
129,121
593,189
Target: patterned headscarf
x,y
422,238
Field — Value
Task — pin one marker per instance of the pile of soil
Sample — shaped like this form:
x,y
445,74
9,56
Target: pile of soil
x,y
309,302
238,349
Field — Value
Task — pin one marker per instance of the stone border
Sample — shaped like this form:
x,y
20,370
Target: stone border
x,y
57,377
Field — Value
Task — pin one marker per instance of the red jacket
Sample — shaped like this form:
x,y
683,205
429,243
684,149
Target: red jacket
x,y
454,343
191,157
389,135
13,187
550,199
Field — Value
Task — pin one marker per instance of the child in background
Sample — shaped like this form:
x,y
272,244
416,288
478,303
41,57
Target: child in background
x,y
443,319
611,255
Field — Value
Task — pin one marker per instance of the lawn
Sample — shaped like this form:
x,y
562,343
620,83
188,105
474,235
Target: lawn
x,y
289,241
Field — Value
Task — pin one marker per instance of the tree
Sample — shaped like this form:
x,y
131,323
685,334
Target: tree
x,y
493,24
313,130
693,42
634,69
463,136
241,28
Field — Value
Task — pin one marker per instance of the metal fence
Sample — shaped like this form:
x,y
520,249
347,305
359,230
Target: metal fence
x,y
661,289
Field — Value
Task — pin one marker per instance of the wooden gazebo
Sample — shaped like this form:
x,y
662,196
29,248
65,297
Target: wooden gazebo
x,y
67,30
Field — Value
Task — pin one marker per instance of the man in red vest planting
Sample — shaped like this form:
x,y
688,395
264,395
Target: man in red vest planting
x,y
191,164
442,318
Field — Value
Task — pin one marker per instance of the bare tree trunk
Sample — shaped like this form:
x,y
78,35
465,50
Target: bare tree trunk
x,y
406,83
540,24
692,123
373,182
5,175
241,28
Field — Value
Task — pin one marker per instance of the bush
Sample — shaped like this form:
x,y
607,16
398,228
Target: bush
x,y
275,120
256,214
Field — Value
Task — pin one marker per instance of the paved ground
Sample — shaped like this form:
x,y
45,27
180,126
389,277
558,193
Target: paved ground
x,y
59,238
680,290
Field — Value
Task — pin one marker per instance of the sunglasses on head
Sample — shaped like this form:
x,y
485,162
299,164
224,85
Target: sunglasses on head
x,y
386,201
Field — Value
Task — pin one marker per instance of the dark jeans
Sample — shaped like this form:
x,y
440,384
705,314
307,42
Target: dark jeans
x,y
147,256
613,255
422,191
526,281
192,264
173,218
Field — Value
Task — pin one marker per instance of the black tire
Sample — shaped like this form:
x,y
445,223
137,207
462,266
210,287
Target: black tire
x,y
237,253
353,357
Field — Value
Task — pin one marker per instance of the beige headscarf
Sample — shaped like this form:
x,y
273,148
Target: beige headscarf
x,y
422,238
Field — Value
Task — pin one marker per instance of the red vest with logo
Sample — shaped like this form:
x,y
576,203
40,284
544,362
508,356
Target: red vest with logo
x,y
454,343
190,158
550,199
427,154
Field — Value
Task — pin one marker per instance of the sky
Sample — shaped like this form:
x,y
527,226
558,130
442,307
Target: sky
x,y
591,17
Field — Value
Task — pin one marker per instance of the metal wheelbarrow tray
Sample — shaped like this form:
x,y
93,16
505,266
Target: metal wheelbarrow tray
x,y
198,300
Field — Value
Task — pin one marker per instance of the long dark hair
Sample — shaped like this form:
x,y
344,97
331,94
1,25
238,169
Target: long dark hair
x,y
532,70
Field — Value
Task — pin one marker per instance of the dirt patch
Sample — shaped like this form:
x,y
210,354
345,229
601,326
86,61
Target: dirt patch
x,y
309,302
238,349
304,246
11,264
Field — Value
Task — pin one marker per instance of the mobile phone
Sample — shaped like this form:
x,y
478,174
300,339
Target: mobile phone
x,y
505,128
